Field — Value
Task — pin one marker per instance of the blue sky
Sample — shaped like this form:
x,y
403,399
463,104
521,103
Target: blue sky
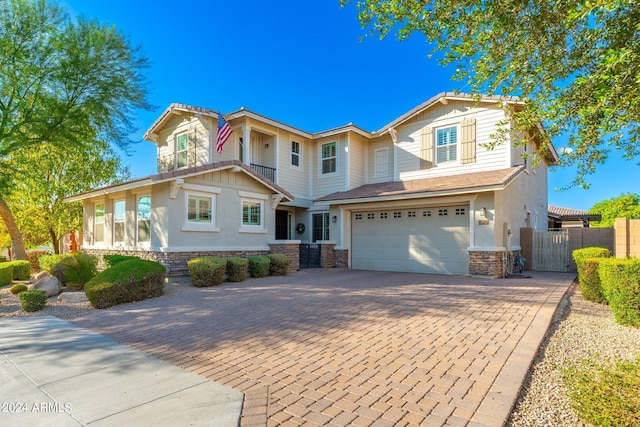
x,y
302,63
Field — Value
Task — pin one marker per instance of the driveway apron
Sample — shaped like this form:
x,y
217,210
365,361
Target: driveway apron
x,y
344,347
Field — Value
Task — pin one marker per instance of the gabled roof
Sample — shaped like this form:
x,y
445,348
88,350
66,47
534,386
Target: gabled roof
x,y
176,108
235,165
427,187
244,112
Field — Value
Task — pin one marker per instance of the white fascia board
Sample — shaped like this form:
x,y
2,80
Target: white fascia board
x,y
109,190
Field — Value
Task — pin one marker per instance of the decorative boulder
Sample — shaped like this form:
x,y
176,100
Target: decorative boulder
x,y
39,276
49,284
72,297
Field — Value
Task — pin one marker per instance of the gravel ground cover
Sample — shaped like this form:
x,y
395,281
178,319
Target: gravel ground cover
x,y
581,329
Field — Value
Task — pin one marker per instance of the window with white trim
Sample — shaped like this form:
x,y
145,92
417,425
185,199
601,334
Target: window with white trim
x,y
98,224
143,220
182,150
252,213
118,222
320,226
329,158
199,209
447,144
295,153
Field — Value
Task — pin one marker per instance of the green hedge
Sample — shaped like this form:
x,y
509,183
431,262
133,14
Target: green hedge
x,y
587,260
621,286
33,300
6,273
3,258
21,269
113,259
207,271
17,288
236,269
279,264
127,281
259,265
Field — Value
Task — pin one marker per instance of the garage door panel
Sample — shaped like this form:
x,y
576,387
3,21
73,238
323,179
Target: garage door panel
x,y
427,240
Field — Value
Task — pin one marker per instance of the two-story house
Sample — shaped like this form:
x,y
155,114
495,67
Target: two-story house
x,y
422,194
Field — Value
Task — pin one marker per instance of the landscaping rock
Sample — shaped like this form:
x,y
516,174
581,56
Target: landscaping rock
x,y
72,297
49,284
39,276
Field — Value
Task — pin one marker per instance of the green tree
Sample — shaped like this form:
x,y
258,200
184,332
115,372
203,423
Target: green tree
x,y
576,62
623,206
43,177
62,82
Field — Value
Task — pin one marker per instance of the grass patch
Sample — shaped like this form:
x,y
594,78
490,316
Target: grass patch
x,y
605,393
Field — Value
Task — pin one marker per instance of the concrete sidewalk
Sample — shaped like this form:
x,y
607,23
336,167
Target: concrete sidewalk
x,y
53,373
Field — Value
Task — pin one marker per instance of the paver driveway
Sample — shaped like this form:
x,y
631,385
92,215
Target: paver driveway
x,y
341,347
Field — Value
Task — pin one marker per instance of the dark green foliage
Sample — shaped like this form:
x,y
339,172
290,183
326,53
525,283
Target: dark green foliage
x,y
17,288
259,265
21,269
236,269
6,274
3,258
127,281
604,393
621,286
78,269
33,300
587,260
207,271
279,264
113,259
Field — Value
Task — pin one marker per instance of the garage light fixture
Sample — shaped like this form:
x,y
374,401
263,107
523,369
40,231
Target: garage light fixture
x,y
483,212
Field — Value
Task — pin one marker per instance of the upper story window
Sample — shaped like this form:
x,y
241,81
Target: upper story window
x,y
98,228
118,221
447,144
143,229
329,157
182,147
382,162
295,153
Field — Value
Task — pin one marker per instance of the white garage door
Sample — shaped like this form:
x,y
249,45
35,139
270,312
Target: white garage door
x,y
423,240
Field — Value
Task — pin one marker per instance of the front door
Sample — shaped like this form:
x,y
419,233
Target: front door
x,y
282,225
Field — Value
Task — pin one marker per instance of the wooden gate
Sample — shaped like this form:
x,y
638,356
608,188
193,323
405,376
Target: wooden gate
x,y
551,250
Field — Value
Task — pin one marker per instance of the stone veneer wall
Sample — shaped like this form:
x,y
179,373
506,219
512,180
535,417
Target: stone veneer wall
x,y
341,258
290,249
486,263
327,255
175,262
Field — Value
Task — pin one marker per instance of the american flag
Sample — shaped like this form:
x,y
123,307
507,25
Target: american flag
x,y
224,132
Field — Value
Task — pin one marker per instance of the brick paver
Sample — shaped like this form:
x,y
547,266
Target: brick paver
x,y
341,347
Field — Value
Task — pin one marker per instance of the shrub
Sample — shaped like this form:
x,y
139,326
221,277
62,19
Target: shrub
x,y
33,258
33,300
6,274
586,260
113,259
17,288
279,264
21,269
236,269
3,258
259,265
621,287
78,269
127,281
207,271
53,264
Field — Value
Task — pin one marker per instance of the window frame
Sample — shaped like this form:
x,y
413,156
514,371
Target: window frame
x,y
138,220
455,145
97,223
325,227
185,151
117,222
333,159
211,225
381,173
296,154
253,199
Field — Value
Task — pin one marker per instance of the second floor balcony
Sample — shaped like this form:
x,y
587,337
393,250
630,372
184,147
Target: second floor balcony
x,y
173,162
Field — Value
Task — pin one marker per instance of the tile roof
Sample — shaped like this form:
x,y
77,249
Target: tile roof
x,y
455,184
560,212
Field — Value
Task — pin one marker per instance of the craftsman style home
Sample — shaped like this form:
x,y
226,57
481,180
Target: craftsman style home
x,y
422,194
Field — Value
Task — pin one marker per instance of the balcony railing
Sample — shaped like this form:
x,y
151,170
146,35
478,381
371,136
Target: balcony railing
x,y
266,171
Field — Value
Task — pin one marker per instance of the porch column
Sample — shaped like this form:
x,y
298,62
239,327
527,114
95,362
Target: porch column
x,y
246,146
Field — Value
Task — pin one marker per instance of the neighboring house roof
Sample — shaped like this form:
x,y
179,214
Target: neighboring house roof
x,y
236,165
568,214
427,187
